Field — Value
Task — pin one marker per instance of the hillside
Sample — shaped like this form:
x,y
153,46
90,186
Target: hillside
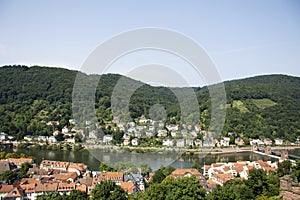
x,y
262,106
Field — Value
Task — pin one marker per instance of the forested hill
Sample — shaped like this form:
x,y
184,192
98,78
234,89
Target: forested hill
x,y
262,106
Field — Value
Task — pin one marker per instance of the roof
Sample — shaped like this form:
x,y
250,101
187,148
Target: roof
x,y
183,172
16,192
128,187
78,166
46,187
28,188
6,188
4,166
65,176
20,160
112,176
82,188
65,187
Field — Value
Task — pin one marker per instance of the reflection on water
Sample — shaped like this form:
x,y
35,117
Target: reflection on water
x,y
154,159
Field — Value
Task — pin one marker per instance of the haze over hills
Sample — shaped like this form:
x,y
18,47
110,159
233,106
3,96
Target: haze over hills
x,y
261,106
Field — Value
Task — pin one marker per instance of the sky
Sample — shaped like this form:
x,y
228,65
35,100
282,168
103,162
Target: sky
x,y
242,38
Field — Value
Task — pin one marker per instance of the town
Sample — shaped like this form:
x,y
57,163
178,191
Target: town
x,y
64,177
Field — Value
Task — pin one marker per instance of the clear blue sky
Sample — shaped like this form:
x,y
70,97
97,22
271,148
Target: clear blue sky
x,y
244,38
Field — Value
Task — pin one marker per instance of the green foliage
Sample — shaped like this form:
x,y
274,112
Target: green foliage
x,y
105,167
24,169
187,188
74,195
108,191
9,176
145,168
284,168
258,186
263,103
260,106
162,173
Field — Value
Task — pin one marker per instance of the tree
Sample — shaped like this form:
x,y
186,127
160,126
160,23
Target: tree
x,y
171,188
9,176
104,167
159,176
284,168
24,169
108,191
145,167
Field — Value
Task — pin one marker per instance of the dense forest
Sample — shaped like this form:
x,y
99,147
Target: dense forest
x,y
262,106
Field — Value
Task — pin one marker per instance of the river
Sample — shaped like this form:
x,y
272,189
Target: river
x,y
92,159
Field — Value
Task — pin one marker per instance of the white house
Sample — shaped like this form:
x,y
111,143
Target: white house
x,y
167,142
65,130
52,139
3,136
225,141
278,141
70,140
180,143
162,133
126,142
135,142
256,141
107,138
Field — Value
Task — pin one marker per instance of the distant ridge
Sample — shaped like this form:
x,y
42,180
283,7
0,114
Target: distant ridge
x,y
260,106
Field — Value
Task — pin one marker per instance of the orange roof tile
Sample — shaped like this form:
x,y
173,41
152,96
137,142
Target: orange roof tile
x,y
6,188
128,187
183,172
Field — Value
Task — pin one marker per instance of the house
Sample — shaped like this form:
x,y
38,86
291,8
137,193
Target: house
x,y
278,141
107,139
65,177
53,123
19,161
58,165
255,142
65,187
56,133
135,142
5,166
116,177
198,143
225,141
79,168
65,130
150,134
52,139
137,179
186,172
3,136
70,140
128,187
72,121
180,143
239,141
167,142
15,194
126,142
28,138
268,141
162,133
143,120
4,190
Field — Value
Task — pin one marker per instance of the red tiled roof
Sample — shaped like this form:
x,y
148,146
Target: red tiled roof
x,y
128,187
6,188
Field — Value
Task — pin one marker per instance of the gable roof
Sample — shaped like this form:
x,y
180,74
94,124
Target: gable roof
x,y
6,188
183,172
128,187
15,192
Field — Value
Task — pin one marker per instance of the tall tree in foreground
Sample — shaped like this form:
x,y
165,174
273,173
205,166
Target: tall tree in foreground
x,y
108,191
